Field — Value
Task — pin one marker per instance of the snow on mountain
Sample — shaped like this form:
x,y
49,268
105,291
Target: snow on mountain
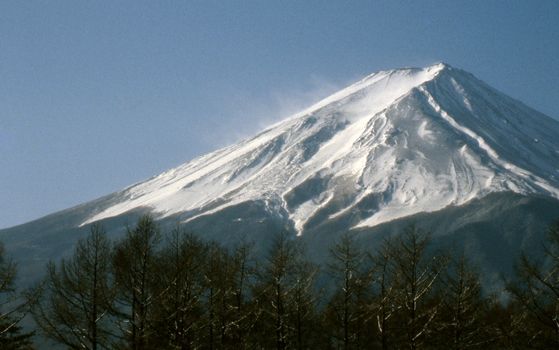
x,y
394,144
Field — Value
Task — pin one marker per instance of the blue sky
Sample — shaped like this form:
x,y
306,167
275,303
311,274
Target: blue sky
x,y
97,95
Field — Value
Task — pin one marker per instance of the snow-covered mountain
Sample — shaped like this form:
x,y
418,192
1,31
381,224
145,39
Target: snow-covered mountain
x,y
398,145
410,140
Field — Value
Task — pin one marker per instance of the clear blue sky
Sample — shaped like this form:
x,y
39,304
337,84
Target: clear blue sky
x,y
97,95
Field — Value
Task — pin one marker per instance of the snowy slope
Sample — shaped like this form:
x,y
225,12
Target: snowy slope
x,y
397,143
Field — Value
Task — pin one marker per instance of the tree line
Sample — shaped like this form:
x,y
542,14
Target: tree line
x,y
151,290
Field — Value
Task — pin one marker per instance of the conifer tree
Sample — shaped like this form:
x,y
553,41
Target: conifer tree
x,y
463,310
507,327
346,310
14,338
242,273
382,307
304,318
536,288
78,296
13,307
416,274
218,296
179,310
279,293
137,275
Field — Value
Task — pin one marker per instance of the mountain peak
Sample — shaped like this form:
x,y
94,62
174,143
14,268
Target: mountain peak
x,y
433,146
433,69
395,143
383,86
440,65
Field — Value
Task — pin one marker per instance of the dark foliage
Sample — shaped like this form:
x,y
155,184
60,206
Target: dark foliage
x,y
78,296
180,292
13,307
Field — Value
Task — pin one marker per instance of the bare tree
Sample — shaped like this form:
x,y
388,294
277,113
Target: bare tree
x,y
383,307
137,276
179,309
346,309
13,307
78,296
280,293
537,290
242,272
304,317
416,273
227,276
218,293
463,308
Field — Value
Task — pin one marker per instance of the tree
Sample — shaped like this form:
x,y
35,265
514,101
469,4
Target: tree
x,y
282,296
415,274
506,325
304,317
346,310
218,296
227,275
242,273
78,296
137,276
383,305
178,312
13,307
463,311
536,288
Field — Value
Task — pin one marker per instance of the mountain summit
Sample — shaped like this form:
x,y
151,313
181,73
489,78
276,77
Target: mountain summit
x,y
394,144
431,145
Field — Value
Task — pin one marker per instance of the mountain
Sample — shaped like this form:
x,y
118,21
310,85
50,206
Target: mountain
x,y
433,145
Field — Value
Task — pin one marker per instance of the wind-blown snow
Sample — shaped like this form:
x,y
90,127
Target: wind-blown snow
x,y
394,144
